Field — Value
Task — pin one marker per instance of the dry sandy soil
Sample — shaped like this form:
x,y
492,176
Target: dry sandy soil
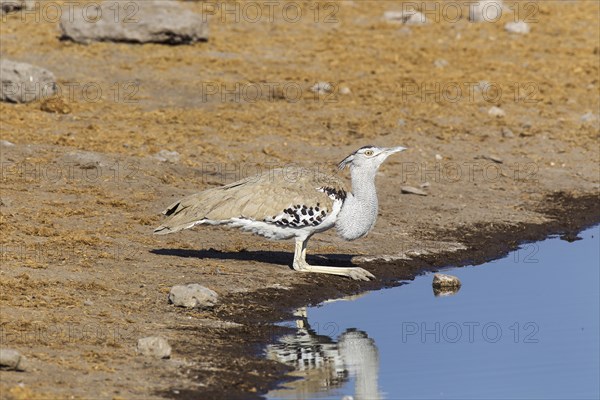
x,y
82,277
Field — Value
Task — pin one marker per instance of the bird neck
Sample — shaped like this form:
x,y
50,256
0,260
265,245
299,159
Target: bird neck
x,y
359,211
363,185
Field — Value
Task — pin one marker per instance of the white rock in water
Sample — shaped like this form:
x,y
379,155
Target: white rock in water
x,y
193,295
411,17
520,27
154,346
12,360
445,281
496,112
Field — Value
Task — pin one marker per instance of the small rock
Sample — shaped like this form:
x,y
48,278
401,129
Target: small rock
x,y
8,6
321,88
154,21
520,27
6,143
445,281
496,112
440,63
439,157
412,190
492,158
345,90
401,122
507,133
485,10
24,83
192,295
425,185
168,156
411,17
154,346
12,360
55,105
88,302
588,117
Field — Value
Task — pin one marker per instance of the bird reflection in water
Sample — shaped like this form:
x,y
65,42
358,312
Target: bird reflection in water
x,y
324,364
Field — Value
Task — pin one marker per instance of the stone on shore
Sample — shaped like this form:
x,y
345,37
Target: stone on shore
x,y
192,295
154,346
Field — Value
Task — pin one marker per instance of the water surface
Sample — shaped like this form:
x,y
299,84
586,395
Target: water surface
x,y
525,326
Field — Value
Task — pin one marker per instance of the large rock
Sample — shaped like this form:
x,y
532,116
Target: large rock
x,y
192,296
12,360
23,83
147,21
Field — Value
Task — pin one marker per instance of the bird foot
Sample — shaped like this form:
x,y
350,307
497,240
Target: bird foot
x,y
356,273
360,274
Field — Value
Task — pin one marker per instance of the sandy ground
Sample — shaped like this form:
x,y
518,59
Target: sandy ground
x,y
82,277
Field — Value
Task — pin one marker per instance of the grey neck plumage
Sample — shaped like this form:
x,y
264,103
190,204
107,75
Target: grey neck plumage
x,y
359,210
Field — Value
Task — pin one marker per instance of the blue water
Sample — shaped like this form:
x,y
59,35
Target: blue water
x,y
525,326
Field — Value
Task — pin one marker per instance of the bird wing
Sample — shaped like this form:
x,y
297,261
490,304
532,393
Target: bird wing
x,y
258,197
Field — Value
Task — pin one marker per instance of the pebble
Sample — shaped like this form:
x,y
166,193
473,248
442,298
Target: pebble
x,y
440,63
425,185
495,159
520,27
445,281
12,360
321,88
507,133
154,346
439,157
88,303
412,190
345,90
168,156
485,10
405,17
192,295
167,22
401,122
8,6
496,112
588,117
6,143
56,105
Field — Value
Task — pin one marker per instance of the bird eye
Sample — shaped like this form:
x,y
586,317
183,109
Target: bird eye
x,y
368,153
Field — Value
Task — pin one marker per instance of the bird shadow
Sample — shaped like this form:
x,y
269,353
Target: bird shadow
x,y
269,257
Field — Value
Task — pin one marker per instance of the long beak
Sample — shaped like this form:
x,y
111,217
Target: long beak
x,y
391,150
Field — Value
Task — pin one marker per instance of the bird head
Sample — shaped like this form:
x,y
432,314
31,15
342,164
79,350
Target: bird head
x,y
369,157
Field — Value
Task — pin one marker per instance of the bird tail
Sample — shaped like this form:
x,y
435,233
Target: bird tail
x,y
181,216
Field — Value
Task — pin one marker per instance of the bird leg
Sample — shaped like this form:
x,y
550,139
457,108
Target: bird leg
x,y
301,265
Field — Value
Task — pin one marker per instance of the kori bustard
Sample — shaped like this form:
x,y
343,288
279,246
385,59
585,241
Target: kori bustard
x,y
291,203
